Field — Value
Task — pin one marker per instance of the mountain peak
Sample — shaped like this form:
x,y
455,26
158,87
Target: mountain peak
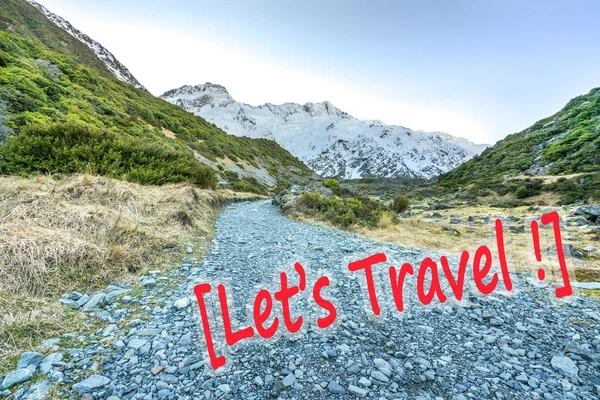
x,y
329,140
208,86
198,96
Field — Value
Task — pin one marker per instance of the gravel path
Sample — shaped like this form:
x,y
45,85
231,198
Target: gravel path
x,y
519,345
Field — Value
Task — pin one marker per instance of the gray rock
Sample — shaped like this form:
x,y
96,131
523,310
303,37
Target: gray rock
x,y
182,304
336,388
38,391
82,300
46,364
75,296
564,365
16,377
149,283
591,213
224,388
380,376
29,358
91,384
289,380
136,343
95,301
364,382
355,390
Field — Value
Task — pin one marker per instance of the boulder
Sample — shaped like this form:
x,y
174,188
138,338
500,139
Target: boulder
x,y
46,364
590,213
95,301
182,303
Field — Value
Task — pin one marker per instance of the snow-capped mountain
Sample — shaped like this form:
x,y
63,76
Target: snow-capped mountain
x,y
119,70
330,141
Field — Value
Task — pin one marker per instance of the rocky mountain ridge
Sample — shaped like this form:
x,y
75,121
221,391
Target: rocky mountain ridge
x,y
329,140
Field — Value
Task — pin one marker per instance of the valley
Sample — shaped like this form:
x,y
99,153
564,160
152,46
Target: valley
x,y
141,235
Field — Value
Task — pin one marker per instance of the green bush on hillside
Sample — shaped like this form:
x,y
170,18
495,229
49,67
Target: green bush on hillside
x,y
331,184
400,204
565,143
74,147
521,192
342,212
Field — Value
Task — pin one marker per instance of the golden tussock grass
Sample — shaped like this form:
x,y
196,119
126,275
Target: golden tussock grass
x,y
385,220
429,234
91,229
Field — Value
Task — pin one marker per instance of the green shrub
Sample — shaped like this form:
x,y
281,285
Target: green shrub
x,y
331,184
248,188
342,212
521,192
400,204
74,147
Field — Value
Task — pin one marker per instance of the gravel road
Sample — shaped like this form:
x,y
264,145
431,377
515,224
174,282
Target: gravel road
x,y
519,345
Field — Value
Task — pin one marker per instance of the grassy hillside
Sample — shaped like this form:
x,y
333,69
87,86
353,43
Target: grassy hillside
x,y
60,116
565,143
21,18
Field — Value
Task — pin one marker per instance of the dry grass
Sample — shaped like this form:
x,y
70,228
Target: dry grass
x,y
25,319
429,234
89,229
168,133
385,220
413,232
78,233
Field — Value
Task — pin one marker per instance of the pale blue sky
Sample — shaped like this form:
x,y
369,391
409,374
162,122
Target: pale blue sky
x,y
477,69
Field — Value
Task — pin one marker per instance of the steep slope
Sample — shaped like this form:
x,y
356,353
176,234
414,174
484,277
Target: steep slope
x,y
21,18
330,141
109,60
567,142
59,116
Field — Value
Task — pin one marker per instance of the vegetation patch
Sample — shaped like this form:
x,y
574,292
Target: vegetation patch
x,y
343,212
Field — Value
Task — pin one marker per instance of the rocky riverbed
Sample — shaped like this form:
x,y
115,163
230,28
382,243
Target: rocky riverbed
x,y
521,344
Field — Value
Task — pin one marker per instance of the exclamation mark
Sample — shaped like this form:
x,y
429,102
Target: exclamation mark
x,y
536,246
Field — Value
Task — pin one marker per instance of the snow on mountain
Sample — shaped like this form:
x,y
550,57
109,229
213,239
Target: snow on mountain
x,y
330,141
118,70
